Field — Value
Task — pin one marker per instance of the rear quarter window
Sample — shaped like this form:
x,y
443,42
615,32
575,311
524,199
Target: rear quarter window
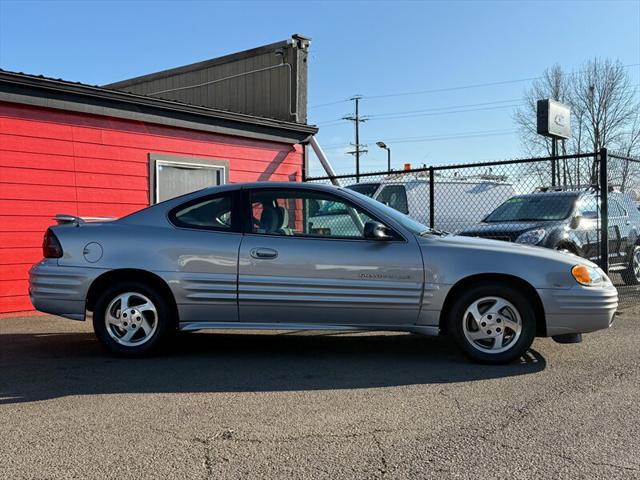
x,y
211,213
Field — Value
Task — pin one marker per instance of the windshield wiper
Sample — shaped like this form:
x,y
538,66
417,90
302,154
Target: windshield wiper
x,y
434,231
514,220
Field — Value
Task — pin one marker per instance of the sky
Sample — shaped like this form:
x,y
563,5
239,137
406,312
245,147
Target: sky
x,y
421,67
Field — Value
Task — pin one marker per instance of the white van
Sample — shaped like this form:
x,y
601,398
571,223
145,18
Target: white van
x,y
460,202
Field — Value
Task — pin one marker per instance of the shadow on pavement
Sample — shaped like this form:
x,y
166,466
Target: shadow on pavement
x,y
44,366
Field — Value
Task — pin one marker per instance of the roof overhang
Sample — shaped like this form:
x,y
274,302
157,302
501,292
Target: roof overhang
x,y
59,94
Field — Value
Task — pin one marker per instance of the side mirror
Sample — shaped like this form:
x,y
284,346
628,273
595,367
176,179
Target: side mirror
x,y
575,222
376,231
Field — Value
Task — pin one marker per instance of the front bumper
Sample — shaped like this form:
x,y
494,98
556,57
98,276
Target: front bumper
x,y
60,290
578,309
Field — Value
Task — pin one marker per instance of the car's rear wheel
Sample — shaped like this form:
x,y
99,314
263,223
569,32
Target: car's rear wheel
x,y
132,318
492,323
631,276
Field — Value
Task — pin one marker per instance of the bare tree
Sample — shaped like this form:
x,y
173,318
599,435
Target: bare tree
x,y
604,109
625,172
603,95
554,84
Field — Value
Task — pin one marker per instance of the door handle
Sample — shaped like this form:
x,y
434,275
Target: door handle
x,y
264,253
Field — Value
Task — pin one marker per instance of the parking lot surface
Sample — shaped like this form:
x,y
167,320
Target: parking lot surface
x,y
309,405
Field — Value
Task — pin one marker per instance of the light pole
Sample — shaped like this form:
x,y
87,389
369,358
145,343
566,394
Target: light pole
x,y
385,147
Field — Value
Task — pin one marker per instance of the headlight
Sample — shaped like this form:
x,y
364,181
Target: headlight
x,y
589,276
532,237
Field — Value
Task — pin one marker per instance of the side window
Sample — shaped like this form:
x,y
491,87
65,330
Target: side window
x,y
394,196
305,214
211,213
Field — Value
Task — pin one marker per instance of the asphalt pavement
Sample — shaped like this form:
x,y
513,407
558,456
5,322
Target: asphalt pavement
x,y
310,405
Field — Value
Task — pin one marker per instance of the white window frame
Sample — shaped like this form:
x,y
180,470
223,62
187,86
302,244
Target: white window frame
x,y
159,160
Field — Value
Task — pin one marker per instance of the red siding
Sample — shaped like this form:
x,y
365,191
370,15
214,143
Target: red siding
x,y
52,161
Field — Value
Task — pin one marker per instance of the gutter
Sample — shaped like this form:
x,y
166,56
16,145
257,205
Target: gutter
x,y
51,93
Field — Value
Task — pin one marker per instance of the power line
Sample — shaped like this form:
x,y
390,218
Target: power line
x,y
437,109
328,104
447,136
498,107
429,110
461,87
453,137
429,114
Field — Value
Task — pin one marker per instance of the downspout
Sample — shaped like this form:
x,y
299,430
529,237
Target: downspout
x,y
324,161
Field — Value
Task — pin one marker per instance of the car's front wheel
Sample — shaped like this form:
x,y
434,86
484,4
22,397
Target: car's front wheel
x,y
631,276
492,323
132,318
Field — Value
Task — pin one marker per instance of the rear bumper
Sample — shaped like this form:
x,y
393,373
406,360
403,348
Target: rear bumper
x,y
60,290
578,309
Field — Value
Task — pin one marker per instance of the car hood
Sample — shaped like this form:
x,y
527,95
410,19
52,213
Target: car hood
x,y
505,226
451,257
504,230
485,244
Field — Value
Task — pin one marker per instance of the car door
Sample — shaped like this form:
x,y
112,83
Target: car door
x,y
588,230
621,225
204,248
291,271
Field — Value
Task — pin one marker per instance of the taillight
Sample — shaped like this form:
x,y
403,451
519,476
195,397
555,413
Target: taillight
x,y
51,247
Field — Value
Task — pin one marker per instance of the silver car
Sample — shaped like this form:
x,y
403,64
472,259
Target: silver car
x,y
248,256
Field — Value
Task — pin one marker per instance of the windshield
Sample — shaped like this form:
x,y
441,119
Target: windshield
x,y
367,189
533,208
407,222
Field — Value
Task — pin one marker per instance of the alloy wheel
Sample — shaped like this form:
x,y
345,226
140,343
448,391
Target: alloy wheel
x,y
131,319
492,325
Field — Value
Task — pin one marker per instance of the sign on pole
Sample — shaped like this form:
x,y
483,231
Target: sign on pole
x,y
554,119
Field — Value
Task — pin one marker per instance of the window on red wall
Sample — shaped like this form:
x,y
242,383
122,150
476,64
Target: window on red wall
x,y
173,176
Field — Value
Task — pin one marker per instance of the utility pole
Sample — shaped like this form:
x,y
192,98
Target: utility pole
x,y
357,120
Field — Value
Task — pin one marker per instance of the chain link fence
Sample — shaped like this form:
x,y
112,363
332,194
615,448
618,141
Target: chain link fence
x,y
584,205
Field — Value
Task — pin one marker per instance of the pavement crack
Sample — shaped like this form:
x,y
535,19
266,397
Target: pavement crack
x,y
384,467
208,463
569,458
445,393
309,436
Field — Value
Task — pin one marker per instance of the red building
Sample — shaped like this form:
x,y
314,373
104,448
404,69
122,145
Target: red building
x,y
98,152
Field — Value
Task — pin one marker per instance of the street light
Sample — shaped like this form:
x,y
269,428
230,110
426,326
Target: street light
x,y
384,146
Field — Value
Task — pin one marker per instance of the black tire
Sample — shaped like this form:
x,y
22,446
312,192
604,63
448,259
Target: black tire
x,y
629,276
514,296
165,318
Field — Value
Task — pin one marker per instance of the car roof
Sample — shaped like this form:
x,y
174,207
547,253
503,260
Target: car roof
x,y
244,185
563,193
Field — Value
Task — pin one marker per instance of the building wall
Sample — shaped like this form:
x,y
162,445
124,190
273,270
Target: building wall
x,y
268,81
53,161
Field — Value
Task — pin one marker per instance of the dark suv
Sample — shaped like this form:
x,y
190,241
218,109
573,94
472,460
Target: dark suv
x,y
569,221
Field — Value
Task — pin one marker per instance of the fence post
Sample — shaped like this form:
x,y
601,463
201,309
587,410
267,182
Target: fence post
x,y
431,198
604,211
554,165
